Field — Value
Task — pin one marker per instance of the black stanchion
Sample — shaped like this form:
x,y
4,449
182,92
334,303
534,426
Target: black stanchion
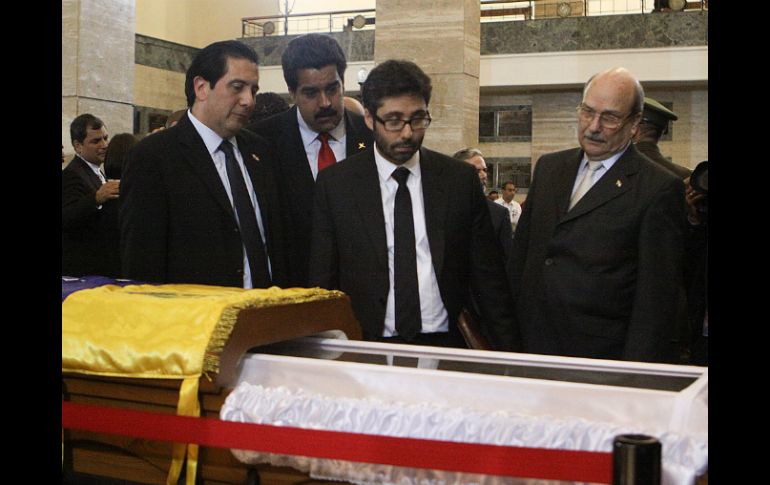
x,y
635,460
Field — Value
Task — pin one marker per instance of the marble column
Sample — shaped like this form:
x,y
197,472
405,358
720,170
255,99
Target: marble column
x,y
442,37
97,63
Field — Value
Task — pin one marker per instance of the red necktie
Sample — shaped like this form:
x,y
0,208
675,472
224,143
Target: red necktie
x,y
325,154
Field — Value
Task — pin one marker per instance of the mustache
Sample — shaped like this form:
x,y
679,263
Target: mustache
x,y
326,112
594,137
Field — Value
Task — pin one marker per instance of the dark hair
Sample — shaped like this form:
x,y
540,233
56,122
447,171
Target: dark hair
x,y
394,78
211,64
267,104
117,153
80,125
311,51
506,183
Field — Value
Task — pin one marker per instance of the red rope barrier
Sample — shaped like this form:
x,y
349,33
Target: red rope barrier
x,y
586,466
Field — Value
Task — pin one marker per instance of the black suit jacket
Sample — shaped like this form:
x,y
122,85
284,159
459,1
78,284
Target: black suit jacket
x,y
349,246
87,238
296,181
501,223
604,279
177,222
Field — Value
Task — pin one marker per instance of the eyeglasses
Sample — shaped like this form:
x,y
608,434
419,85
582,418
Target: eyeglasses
x,y
608,120
417,123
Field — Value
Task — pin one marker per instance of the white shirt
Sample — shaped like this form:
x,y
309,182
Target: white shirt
x,y
434,314
337,139
212,142
605,166
514,209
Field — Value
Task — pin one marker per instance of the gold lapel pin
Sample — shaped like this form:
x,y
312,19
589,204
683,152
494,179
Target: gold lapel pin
x,y
361,146
254,156
619,183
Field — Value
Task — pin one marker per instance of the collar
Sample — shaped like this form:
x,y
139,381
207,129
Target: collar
x,y
608,162
93,166
385,168
210,138
309,135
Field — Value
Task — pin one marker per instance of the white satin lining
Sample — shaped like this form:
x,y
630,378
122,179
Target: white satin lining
x,y
684,457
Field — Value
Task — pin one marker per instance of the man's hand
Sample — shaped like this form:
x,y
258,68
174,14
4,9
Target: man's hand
x,y
694,200
108,191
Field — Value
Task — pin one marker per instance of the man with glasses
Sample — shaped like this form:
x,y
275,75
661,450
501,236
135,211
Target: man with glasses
x,y
596,264
405,231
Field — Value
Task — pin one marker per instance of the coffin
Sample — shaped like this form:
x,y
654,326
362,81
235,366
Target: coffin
x,y
271,373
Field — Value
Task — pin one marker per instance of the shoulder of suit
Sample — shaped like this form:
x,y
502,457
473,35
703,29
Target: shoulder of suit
x,y
271,124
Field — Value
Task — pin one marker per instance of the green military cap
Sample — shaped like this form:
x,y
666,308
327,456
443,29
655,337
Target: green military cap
x,y
657,114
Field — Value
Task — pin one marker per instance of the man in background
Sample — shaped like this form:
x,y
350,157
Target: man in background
x,y
84,191
655,122
514,208
501,222
314,134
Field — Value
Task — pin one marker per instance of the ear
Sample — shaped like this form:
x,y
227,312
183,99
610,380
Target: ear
x,y
293,96
201,88
368,119
78,146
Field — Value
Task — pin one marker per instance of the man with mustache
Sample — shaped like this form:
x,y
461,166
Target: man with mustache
x,y
596,262
199,198
315,133
405,231
84,191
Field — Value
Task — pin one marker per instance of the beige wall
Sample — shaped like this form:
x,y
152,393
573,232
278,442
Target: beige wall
x,y
159,88
198,23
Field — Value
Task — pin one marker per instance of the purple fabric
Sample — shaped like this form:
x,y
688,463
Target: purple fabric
x,y
70,284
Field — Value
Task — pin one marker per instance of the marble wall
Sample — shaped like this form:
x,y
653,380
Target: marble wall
x,y
97,63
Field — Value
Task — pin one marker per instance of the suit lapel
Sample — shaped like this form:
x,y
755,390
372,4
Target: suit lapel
x,y
197,155
612,184
368,200
297,165
565,181
435,203
82,166
253,165
354,139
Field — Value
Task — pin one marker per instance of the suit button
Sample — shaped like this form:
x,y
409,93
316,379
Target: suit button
x,y
239,271
235,229
548,262
383,301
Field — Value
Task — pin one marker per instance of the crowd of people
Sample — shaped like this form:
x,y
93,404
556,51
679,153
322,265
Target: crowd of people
x,y
246,189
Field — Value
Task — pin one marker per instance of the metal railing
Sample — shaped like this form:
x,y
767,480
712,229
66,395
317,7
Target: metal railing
x,y
491,11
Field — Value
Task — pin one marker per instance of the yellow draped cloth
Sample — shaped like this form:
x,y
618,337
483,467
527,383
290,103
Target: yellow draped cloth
x,y
162,332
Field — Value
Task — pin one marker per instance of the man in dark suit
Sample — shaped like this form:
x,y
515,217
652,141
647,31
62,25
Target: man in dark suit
x,y
199,203
405,231
317,130
501,221
599,275
84,192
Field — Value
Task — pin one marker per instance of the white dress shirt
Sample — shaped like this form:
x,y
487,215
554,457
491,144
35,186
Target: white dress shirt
x,y
434,314
337,139
212,142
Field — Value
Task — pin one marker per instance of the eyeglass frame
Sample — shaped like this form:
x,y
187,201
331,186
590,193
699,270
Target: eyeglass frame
x,y
405,122
581,108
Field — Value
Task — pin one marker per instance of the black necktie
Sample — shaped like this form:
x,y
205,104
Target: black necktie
x,y
407,292
247,220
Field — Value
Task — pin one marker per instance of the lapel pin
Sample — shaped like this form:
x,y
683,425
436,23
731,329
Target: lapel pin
x,y
254,156
619,183
361,146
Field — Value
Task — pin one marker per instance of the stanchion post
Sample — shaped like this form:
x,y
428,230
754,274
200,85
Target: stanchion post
x,y
636,460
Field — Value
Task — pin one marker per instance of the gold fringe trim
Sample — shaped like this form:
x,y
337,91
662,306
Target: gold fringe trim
x,y
261,298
